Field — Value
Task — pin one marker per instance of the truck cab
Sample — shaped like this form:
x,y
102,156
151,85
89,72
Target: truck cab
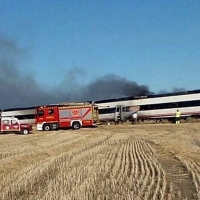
x,y
12,124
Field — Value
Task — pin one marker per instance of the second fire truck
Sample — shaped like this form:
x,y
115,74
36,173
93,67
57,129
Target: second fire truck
x,y
66,115
13,125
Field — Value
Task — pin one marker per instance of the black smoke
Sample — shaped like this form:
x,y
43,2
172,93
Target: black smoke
x,y
174,90
105,87
19,89
112,86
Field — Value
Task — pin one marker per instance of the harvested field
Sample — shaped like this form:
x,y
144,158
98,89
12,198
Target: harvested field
x,y
119,162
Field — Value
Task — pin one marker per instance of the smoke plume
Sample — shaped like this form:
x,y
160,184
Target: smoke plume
x,y
18,89
105,87
112,86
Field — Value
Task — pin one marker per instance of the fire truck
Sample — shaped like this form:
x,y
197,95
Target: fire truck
x,y
13,125
66,115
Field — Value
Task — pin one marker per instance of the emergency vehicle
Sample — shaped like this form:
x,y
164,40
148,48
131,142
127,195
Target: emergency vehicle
x,y
66,115
12,124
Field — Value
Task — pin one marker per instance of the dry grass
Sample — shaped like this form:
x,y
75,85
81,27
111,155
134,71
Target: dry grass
x,y
144,161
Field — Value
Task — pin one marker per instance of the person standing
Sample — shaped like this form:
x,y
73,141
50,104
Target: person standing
x,y
134,118
178,116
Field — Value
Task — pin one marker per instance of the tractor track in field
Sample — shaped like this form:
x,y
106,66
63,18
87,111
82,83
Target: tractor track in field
x,y
176,173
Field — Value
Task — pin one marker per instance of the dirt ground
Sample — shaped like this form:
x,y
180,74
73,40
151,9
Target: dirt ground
x,y
125,161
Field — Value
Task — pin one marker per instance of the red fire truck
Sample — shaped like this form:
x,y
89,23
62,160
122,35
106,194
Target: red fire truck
x,y
66,115
12,124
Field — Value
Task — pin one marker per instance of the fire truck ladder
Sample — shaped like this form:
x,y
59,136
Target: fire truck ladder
x,y
74,103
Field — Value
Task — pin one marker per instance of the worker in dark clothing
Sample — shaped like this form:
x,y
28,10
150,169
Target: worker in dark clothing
x,y
178,116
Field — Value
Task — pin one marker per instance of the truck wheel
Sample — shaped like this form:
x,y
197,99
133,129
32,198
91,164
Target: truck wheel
x,y
25,132
47,127
76,125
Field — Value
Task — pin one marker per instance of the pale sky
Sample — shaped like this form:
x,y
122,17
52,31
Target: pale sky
x,y
45,45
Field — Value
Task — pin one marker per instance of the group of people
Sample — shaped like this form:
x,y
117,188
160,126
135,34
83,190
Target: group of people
x,y
177,116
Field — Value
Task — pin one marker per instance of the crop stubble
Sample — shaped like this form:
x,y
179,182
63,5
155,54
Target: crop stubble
x,y
144,161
